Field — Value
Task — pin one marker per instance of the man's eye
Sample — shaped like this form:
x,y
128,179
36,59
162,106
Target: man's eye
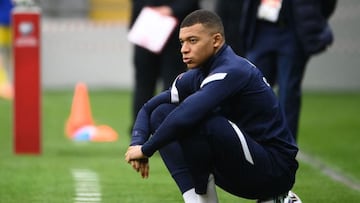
x,y
193,41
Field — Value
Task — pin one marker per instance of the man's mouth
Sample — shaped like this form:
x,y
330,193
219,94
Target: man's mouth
x,y
187,60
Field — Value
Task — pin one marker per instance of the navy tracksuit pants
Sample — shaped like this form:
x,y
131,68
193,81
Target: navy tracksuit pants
x,y
239,164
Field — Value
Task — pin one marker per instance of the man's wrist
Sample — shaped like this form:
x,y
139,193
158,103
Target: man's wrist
x,y
146,150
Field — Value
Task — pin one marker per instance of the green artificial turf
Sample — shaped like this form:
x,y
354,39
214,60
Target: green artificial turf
x,y
329,131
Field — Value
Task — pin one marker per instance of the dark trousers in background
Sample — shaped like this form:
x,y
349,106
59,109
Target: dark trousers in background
x,y
278,54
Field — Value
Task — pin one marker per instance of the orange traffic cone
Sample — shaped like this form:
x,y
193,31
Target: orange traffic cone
x,y
104,133
80,114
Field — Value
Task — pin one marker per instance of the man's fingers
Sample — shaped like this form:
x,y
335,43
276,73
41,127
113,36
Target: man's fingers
x,y
144,169
135,164
127,157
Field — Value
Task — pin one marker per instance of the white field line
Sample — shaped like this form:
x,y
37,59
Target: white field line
x,y
87,186
335,175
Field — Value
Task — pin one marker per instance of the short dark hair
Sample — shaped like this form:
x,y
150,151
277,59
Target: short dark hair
x,y
207,18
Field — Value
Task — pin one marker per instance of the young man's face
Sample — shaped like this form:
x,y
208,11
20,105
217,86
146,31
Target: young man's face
x,y
197,45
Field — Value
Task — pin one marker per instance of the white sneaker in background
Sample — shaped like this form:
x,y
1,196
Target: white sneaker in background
x,y
292,198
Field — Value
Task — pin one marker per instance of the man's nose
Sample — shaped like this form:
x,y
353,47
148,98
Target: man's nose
x,y
184,48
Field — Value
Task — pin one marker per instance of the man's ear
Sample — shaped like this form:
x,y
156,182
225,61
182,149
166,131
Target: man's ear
x,y
218,40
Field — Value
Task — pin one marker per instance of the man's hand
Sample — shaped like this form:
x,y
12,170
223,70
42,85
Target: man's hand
x,y
142,166
164,10
138,160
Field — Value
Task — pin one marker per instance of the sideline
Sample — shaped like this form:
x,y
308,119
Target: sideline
x,y
87,186
335,175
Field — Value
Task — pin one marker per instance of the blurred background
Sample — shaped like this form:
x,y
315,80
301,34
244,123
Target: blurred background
x,y
85,40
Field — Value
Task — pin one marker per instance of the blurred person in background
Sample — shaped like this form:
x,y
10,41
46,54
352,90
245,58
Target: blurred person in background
x,y
280,36
5,40
151,68
5,35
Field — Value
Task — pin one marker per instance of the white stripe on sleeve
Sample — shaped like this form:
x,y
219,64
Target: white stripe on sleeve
x,y
174,93
216,76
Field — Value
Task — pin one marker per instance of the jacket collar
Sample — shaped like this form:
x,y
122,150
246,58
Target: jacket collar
x,y
209,65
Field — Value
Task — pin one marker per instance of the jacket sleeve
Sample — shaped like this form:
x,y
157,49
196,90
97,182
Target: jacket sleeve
x,y
191,111
312,27
141,130
136,6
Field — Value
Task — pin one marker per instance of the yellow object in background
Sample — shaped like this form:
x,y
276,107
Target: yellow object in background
x,y
6,87
5,36
109,10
